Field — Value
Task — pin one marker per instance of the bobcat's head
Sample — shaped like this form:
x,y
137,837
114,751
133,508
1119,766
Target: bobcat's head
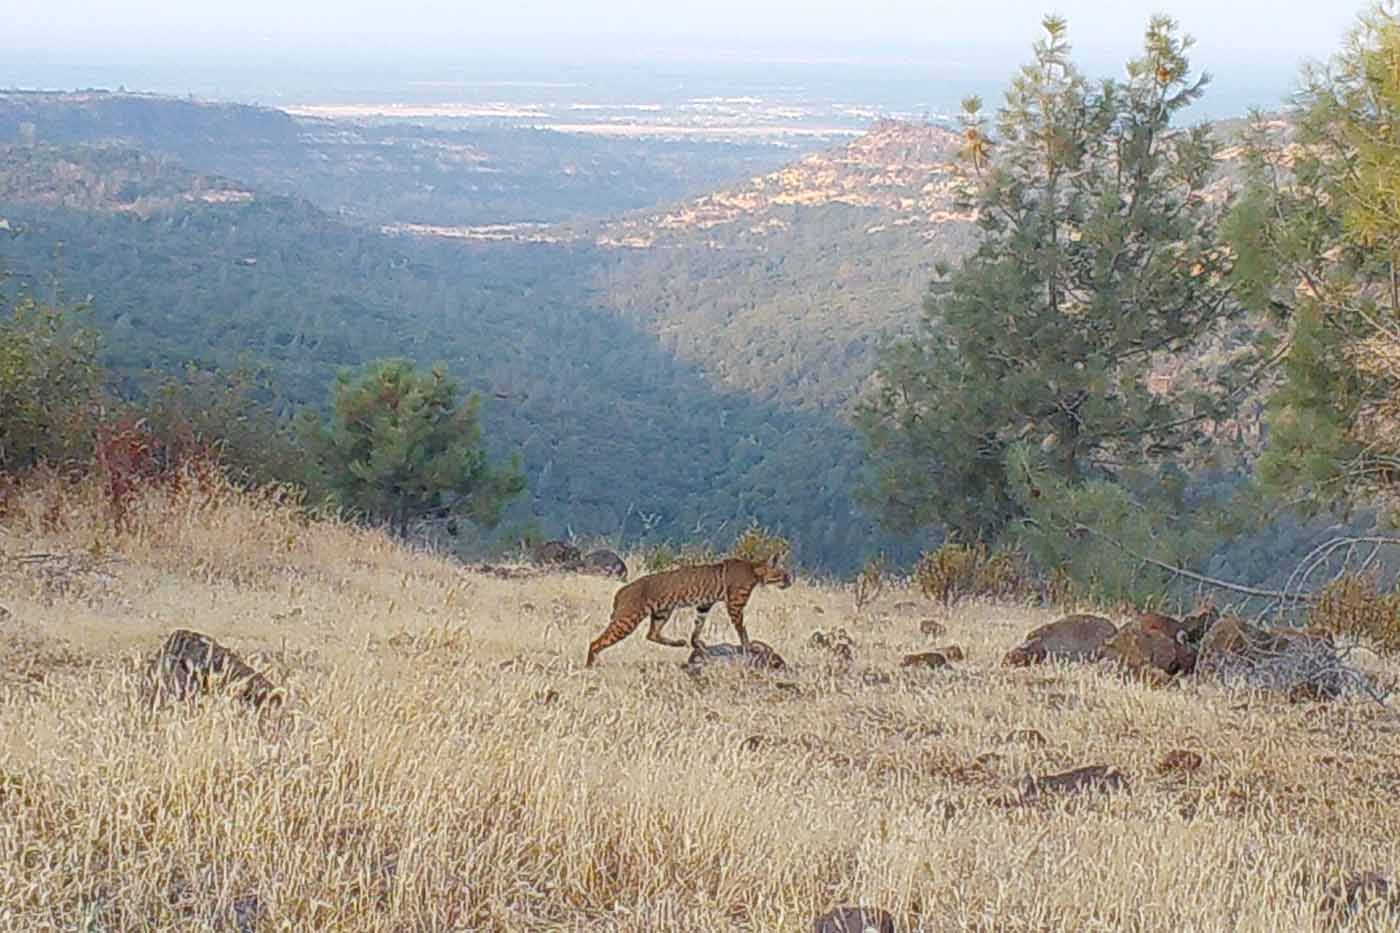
x,y
772,573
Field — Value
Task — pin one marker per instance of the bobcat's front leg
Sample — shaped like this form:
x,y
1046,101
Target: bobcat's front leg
x,y
736,618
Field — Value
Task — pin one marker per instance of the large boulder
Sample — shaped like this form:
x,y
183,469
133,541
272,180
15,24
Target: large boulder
x,y
190,664
1073,638
604,563
560,553
1153,646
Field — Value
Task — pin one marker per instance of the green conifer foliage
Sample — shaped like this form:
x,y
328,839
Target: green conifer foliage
x,y
1318,238
1098,260
399,448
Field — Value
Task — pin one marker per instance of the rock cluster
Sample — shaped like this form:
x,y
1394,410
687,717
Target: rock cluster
x,y
1158,648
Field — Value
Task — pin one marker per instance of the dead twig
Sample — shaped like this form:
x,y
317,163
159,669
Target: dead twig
x,y
1318,557
1280,595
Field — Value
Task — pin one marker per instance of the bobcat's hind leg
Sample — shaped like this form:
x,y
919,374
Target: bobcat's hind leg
x,y
620,627
658,622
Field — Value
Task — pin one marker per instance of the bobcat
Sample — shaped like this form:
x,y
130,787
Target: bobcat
x,y
659,594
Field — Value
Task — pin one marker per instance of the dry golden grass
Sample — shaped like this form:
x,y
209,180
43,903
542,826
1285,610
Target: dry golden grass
x,y
444,762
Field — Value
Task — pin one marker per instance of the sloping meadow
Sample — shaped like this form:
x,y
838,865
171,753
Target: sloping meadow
x,y
444,762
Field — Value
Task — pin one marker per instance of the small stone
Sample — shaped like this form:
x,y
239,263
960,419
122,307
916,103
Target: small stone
x,y
928,659
1026,736
1180,761
932,628
952,653
854,920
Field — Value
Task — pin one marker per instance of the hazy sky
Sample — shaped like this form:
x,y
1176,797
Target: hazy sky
x,y
1255,29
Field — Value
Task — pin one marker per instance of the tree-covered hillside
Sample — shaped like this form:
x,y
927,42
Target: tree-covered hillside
x,y
664,373
616,435
392,172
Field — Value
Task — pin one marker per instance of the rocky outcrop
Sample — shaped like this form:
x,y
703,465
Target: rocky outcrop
x,y
190,665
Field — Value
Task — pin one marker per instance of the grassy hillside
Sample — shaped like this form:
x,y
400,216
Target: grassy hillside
x,y
444,762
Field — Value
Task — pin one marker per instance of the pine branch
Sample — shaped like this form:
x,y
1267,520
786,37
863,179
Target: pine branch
x,y
1082,529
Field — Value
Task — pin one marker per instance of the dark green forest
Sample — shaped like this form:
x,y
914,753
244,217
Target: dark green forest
x,y
618,438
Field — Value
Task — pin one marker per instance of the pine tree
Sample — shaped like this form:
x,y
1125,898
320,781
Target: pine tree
x,y
1097,262
1318,238
398,448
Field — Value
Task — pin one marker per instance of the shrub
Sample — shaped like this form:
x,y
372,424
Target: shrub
x,y
50,384
666,556
229,418
956,571
1353,605
759,544
869,583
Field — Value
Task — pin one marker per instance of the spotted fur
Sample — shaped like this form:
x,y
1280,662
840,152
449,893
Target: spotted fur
x,y
657,595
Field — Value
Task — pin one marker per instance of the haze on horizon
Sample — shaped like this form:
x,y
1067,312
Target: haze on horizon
x,y
912,54
1254,29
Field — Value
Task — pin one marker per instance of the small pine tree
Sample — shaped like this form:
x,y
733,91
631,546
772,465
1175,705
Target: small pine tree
x,y
398,448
